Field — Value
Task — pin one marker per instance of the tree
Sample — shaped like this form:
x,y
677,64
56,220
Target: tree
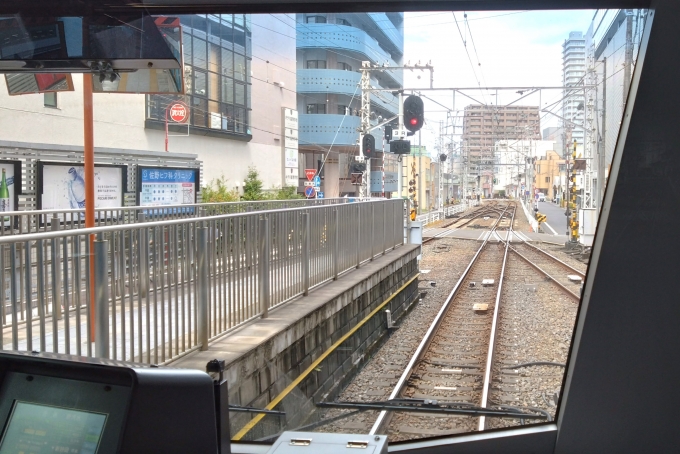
x,y
217,191
252,187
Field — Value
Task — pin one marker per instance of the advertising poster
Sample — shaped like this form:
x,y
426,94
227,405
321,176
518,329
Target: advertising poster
x,y
165,186
8,194
63,186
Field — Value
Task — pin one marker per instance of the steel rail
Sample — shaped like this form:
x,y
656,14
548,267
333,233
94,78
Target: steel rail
x,y
555,281
574,270
427,339
477,215
492,337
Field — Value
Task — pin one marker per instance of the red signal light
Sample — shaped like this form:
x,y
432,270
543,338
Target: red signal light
x,y
414,121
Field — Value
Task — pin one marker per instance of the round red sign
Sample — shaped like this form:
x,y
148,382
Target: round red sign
x,y
179,112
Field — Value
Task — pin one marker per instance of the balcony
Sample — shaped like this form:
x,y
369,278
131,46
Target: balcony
x,y
383,25
321,129
341,82
346,38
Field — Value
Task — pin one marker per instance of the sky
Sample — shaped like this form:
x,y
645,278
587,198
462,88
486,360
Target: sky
x,y
506,49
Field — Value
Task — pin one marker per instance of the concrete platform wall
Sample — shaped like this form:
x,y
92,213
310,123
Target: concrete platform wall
x,y
260,375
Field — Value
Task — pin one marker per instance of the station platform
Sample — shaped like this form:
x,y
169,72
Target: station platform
x,y
263,356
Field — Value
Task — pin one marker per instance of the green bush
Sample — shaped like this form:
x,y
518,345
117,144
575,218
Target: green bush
x,y
252,187
217,191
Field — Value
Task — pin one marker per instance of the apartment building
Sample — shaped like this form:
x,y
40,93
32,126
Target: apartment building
x,y
483,126
330,51
573,72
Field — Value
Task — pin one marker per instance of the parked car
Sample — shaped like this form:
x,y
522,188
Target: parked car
x,y
541,197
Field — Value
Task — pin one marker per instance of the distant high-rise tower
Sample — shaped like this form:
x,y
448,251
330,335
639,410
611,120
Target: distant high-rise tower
x,y
573,72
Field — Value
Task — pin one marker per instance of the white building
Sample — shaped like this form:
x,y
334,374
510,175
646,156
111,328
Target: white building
x,y
239,69
513,163
573,72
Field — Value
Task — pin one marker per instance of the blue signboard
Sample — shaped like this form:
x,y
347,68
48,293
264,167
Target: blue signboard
x,y
319,195
316,180
158,186
309,192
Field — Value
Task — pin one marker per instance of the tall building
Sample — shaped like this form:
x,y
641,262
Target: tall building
x,y
483,126
573,72
235,118
330,51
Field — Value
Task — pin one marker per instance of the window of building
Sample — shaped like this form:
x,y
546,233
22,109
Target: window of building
x,y
547,179
316,64
316,108
343,22
316,19
342,110
50,100
344,66
217,55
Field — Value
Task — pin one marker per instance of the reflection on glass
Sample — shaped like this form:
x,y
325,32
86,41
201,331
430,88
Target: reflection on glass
x,y
140,81
36,428
25,83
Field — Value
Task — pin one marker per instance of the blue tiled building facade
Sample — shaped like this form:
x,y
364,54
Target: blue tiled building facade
x,y
330,49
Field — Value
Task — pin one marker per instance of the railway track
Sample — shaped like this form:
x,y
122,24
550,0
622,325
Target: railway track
x,y
466,373
491,210
453,363
566,277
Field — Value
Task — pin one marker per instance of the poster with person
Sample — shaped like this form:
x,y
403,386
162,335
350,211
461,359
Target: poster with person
x,y
63,186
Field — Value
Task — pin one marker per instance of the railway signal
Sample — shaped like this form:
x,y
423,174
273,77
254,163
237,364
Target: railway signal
x,y
412,192
368,146
414,113
573,222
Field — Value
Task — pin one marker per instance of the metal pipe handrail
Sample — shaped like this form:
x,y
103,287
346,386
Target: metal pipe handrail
x,y
8,239
183,207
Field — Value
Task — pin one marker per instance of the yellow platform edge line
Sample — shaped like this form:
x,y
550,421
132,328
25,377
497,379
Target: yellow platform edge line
x,y
318,361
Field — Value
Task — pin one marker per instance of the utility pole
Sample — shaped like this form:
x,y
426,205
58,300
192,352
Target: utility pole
x,y
420,173
602,161
628,55
365,128
441,164
573,224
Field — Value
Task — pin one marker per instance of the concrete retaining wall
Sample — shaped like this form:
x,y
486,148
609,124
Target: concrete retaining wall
x,y
261,374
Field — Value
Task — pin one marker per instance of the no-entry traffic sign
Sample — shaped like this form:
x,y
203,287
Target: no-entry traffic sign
x,y
179,112
310,173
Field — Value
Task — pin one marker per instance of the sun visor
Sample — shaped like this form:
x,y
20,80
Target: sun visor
x,y
140,54
75,44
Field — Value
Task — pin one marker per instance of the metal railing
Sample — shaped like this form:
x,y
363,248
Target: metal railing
x,y
166,288
434,216
20,222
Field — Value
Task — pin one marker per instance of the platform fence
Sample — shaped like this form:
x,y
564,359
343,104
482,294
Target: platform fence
x,y
166,288
21,222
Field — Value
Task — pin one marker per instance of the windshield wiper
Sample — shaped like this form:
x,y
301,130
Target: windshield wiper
x,y
432,406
